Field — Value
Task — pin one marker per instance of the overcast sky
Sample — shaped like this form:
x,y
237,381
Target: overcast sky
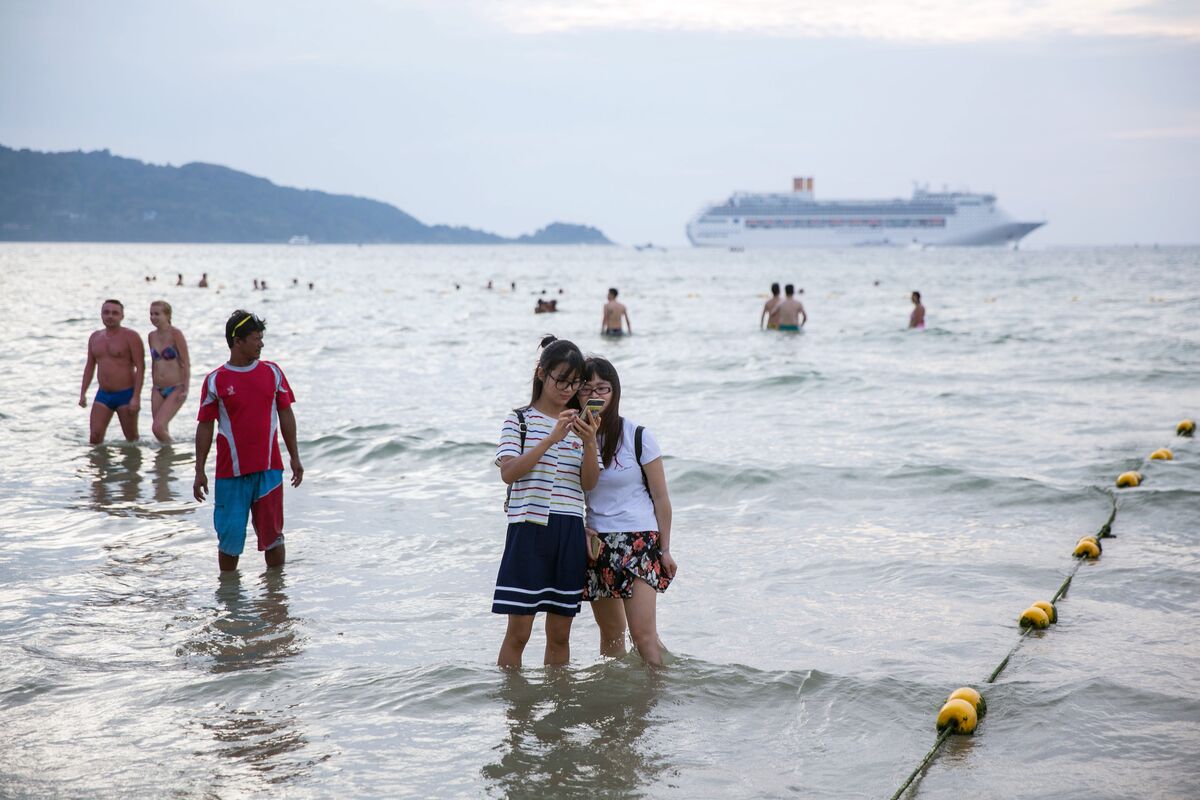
x,y
632,114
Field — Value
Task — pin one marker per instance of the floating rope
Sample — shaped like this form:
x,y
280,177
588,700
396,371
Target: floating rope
x,y
960,714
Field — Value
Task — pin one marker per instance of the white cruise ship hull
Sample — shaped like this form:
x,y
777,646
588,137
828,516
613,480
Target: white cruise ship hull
x,y
958,219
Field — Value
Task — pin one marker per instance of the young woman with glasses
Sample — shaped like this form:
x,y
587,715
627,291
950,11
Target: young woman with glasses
x,y
629,511
548,457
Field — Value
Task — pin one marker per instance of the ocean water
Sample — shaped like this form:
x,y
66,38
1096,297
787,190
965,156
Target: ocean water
x,y
861,513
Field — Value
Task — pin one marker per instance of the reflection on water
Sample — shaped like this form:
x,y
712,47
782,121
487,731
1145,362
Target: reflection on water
x,y
249,631
116,473
258,739
579,732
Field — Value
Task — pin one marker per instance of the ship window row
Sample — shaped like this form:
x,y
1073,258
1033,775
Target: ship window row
x,y
814,209
853,222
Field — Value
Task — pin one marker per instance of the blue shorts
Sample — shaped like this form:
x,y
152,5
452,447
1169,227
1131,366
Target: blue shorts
x,y
114,400
257,496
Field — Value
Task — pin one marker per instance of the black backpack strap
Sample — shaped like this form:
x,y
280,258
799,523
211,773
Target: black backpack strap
x,y
523,427
521,424
637,454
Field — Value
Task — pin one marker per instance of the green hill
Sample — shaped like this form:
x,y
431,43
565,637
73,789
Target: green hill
x,y
99,197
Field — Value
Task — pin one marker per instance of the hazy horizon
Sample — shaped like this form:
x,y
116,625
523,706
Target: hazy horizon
x,y
507,116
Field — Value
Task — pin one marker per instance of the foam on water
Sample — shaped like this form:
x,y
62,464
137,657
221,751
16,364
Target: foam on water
x,y
861,513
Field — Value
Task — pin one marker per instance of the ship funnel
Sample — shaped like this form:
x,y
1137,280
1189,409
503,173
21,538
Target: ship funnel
x,y
797,184
810,180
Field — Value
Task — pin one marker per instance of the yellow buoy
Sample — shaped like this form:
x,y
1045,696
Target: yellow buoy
x,y
1162,454
1131,478
958,715
1050,610
1087,548
971,696
1186,428
1034,616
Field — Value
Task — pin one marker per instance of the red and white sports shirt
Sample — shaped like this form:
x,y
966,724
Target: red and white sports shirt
x,y
245,403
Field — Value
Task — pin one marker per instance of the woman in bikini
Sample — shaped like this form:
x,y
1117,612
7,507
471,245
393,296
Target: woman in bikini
x,y
171,369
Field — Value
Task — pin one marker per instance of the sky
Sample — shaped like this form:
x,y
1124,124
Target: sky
x,y
631,115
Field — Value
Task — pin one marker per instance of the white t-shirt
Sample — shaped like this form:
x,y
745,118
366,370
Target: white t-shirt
x,y
620,501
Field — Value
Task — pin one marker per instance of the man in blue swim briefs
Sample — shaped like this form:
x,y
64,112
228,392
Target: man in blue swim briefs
x,y
118,360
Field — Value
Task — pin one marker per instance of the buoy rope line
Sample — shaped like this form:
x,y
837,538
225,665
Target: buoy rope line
x,y
966,706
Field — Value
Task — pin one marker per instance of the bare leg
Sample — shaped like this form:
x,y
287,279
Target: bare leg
x,y
610,617
164,412
275,556
226,562
101,416
520,626
558,639
128,418
643,627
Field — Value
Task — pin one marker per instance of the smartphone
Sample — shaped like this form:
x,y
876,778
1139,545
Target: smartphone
x,y
593,405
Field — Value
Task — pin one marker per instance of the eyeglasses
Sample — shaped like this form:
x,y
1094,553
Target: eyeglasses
x,y
600,391
567,386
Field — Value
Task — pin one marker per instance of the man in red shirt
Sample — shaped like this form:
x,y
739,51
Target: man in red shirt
x,y
247,400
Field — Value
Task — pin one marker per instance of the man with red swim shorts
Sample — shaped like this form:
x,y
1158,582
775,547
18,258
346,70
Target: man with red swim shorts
x,y
247,401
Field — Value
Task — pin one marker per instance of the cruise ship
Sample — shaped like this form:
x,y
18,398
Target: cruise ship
x,y
798,219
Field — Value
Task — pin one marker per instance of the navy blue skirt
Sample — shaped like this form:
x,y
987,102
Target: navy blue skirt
x,y
543,568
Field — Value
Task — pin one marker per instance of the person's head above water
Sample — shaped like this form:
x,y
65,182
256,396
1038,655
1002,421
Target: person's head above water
x,y
775,289
559,373
600,381
612,294
240,330
916,297
789,290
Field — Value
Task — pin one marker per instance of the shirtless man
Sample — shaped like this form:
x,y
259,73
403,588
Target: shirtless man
x,y
917,319
790,311
121,359
770,313
610,325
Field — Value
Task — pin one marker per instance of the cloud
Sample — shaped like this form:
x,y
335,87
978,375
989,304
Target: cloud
x,y
917,20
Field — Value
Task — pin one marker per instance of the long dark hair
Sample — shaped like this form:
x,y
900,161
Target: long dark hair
x,y
612,426
557,351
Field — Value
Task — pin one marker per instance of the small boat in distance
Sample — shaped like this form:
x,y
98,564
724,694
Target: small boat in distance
x,y
798,219
299,240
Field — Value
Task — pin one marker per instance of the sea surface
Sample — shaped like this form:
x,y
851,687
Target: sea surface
x,y
861,514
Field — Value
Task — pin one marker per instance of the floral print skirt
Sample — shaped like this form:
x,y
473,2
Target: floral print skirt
x,y
624,557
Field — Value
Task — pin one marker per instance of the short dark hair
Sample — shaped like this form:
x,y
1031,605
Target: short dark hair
x,y
241,324
111,300
774,288
916,294
612,291
789,290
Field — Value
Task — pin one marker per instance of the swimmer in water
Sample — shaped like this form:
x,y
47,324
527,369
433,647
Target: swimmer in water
x,y
170,368
614,312
117,355
917,318
791,311
769,318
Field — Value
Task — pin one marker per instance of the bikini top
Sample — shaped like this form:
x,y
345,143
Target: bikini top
x,y
168,353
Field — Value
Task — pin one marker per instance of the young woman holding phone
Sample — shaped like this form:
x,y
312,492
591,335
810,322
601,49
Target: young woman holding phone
x,y
629,517
548,457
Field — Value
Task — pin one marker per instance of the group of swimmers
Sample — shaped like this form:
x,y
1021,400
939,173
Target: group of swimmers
x,y
589,516
117,359
783,313
250,398
787,313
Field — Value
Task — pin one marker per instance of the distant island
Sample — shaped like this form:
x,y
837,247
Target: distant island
x,y
99,197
